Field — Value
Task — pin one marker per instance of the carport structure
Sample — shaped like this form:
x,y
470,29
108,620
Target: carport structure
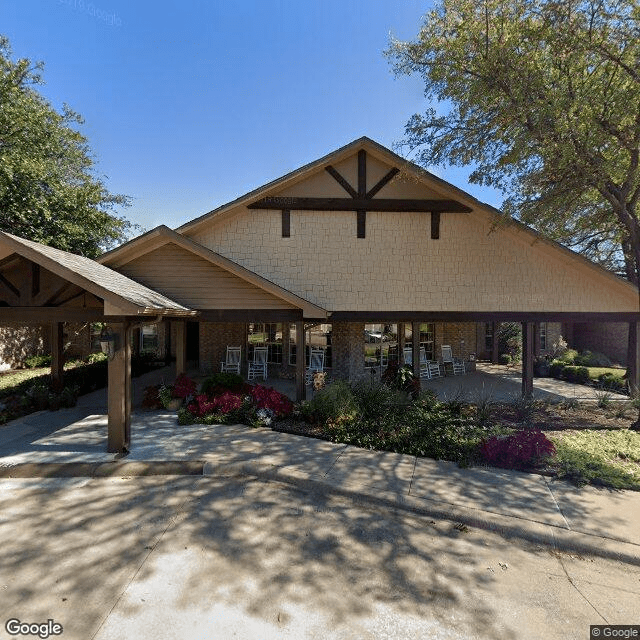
x,y
42,285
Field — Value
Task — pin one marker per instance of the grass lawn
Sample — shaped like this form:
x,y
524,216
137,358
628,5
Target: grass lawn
x,y
609,458
10,379
594,372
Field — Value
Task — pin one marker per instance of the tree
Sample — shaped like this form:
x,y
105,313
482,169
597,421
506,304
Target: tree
x,y
543,96
49,191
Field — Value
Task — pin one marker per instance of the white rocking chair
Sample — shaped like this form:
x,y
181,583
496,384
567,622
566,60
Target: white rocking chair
x,y
447,359
433,366
232,363
424,365
408,355
258,366
316,364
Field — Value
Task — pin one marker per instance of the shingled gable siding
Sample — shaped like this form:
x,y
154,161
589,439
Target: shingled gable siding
x,y
398,266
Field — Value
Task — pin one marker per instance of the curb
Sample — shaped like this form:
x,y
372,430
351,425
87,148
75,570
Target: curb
x,y
102,469
557,538
554,537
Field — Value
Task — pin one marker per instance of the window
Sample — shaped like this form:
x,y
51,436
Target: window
x,y
149,338
543,336
427,336
318,336
267,334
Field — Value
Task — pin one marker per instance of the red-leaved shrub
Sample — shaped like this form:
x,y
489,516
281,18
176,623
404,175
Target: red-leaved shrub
x,y
521,450
183,387
268,398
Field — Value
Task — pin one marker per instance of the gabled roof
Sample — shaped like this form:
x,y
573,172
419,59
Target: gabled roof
x,y
406,166
162,235
122,292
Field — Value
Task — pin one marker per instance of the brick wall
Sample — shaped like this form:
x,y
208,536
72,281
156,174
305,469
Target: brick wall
x,y
77,340
461,336
215,337
609,338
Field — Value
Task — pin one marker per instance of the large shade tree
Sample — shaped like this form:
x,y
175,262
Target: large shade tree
x,y
543,98
49,189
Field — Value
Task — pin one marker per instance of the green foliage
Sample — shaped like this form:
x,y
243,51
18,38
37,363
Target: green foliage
x,y
34,362
592,359
569,357
603,458
49,189
537,96
335,403
228,381
92,358
612,382
578,375
504,358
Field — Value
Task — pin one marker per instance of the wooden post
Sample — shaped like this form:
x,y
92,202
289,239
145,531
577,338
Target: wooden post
x,y
633,358
400,344
536,339
167,340
181,347
136,342
527,359
57,355
415,330
300,362
495,355
119,389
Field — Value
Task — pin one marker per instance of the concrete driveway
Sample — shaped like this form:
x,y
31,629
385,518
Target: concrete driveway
x,y
228,557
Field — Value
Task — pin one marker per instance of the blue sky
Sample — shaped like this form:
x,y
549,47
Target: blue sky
x,y
191,104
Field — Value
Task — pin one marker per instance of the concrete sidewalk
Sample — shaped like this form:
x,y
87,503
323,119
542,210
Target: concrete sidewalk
x,y
529,506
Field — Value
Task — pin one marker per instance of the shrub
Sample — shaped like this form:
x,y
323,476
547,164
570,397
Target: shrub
x,y
510,340
183,387
592,359
569,356
375,400
402,379
336,402
504,358
572,373
34,362
521,450
612,382
222,381
92,358
555,368
274,401
151,398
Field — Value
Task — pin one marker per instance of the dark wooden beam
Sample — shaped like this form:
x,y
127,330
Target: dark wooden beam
x,y
35,279
9,260
45,315
435,225
341,181
415,355
495,355
362,173
286,223
359,204
362,224
57,355
181,347
10,286
119,390
250,315
483,316
527,359
390,175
